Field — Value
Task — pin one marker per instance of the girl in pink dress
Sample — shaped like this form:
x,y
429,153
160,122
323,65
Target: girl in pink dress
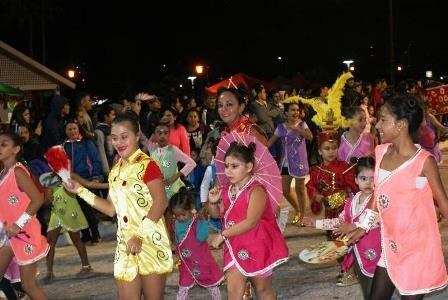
x,y
247,216
197,263
406,181
19,203
355,142
364,255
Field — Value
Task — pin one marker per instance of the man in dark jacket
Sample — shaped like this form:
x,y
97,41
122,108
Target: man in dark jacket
x,y
53,126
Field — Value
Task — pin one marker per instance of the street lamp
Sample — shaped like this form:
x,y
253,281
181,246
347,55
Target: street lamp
x,y
199,69
399,68
71,73
352,68
348,62
428,74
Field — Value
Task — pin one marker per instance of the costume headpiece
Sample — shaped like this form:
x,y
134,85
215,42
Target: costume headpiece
x,y
328,115
327,136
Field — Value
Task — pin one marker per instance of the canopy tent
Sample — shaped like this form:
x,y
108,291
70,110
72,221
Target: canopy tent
x,y
6,89
237,80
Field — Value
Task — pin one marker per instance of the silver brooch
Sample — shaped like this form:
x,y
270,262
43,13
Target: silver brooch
x,y
186,252
393,246
74,215
370,254
243,254
196,272
13,200
29,249
58,198
383,201
230,224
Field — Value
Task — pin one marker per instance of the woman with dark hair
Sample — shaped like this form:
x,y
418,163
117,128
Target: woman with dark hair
x,y
231,105
412,258
143,255
21,116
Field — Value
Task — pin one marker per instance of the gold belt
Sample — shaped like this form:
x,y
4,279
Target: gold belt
x,y
336,200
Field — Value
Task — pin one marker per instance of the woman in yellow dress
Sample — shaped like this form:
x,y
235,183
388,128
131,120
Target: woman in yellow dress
x,y
137,196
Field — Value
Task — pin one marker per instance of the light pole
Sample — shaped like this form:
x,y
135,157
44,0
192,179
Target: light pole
x,y
348,62
192,78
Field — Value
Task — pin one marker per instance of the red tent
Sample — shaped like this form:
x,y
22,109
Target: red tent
x,y
239,79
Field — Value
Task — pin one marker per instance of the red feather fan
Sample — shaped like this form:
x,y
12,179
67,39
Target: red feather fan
x,y
57,159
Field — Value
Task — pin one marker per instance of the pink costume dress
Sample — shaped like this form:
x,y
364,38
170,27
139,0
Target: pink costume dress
x,y
198,265
29,245
240,251
410,237
368,250
359,149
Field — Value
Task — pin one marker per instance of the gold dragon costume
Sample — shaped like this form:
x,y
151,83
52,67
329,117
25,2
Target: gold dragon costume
x,y
132,201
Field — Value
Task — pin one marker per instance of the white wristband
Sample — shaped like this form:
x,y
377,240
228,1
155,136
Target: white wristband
x,y
23,220
367,220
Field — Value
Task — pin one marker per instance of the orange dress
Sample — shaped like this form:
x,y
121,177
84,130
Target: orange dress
x,y
29,245
410,237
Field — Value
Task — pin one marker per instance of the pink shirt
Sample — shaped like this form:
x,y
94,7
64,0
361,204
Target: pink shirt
x,y
179,138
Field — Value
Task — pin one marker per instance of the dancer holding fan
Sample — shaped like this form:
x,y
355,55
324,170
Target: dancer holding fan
x,y
137,196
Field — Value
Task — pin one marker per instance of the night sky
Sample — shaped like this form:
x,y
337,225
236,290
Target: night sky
x,y
125,44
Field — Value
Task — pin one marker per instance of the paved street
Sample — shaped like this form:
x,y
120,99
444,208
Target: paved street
x,y
293,280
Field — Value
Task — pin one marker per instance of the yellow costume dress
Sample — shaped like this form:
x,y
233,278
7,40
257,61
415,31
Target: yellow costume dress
x,y
132,201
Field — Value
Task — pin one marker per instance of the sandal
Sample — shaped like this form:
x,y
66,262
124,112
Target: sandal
x,y
85,270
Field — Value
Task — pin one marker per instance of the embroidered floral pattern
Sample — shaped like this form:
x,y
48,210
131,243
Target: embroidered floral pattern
x,y
230,224
383,200
243,254
29,249
393,246
186,252
13,200
370,254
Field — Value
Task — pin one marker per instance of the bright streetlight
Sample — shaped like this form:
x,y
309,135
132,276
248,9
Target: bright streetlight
x,y
348,62
399,68
352,68
199,69
71,73
428,74
279,58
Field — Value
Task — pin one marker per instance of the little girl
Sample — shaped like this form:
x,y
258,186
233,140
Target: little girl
x,y
406,181
366,253
332,180
167,157
294,161
18,206
197,263
254,245
355,142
